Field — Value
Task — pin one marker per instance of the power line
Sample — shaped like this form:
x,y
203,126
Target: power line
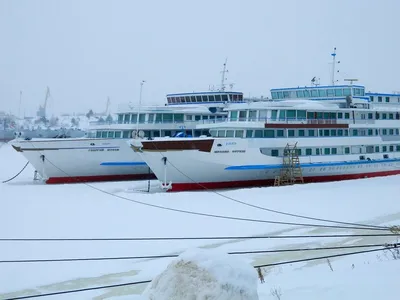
x,y
393,246
268,209
80,290
193,238
148,281
176,255
221,216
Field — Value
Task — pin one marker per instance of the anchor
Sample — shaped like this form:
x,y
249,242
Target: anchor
x,y
164,185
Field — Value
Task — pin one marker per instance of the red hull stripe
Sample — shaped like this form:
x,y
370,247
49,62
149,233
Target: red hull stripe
x,y
79,179
178,187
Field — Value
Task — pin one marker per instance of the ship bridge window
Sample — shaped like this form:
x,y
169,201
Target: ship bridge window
x,y
263,115
104,134
282,115
198,98
192,99
118,134
120,119
142,118
274,114
224,98
233,115
249,133
306,93
242,115
322,92
197,118
221,133
301,114
252,115
314,93
379,98
126,134
158,118
387,99
213,133
338,92
274,152
205,98
178,118
230,133
217,98
291,114
346,92
151,118
211,98
239,133
357,92
330,93
98,134
269,133
127,118
286,94
258,133
110,134
274,95
300,94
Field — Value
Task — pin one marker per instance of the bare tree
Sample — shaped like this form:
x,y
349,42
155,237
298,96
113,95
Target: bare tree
x,y
276,293
329,264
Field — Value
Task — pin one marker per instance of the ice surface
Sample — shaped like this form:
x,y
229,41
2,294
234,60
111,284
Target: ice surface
x,y
31,209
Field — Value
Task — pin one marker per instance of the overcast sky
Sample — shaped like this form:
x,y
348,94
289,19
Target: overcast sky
x,y
87,50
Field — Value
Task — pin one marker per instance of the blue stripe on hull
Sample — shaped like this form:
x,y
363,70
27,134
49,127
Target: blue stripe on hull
x,y
123,163
311,165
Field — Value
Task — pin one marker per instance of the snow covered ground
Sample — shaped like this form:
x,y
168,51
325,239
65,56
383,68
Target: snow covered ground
x,y
33,210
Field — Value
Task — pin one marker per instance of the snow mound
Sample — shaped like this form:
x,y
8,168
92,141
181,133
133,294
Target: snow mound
x,y
205,274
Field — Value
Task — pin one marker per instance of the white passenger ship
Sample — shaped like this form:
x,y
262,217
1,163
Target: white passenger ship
x,y
341,133
105,155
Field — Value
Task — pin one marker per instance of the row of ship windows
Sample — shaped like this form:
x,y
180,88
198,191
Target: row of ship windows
x,y
290,114
163,118
206,98
147,133
312,93
380,99
335,150
272,133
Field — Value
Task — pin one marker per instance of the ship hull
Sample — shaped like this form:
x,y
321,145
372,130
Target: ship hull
x,y
83,160
238,163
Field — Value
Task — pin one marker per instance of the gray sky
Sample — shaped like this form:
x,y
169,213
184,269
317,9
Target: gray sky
x,y
86,50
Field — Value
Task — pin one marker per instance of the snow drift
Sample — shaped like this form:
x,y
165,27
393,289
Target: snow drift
x,y
205,274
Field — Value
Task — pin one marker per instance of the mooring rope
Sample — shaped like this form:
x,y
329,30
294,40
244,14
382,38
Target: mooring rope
x,y
15,176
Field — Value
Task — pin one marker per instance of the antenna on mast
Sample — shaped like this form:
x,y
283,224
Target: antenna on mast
x,y
224,71
108,105
334,65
